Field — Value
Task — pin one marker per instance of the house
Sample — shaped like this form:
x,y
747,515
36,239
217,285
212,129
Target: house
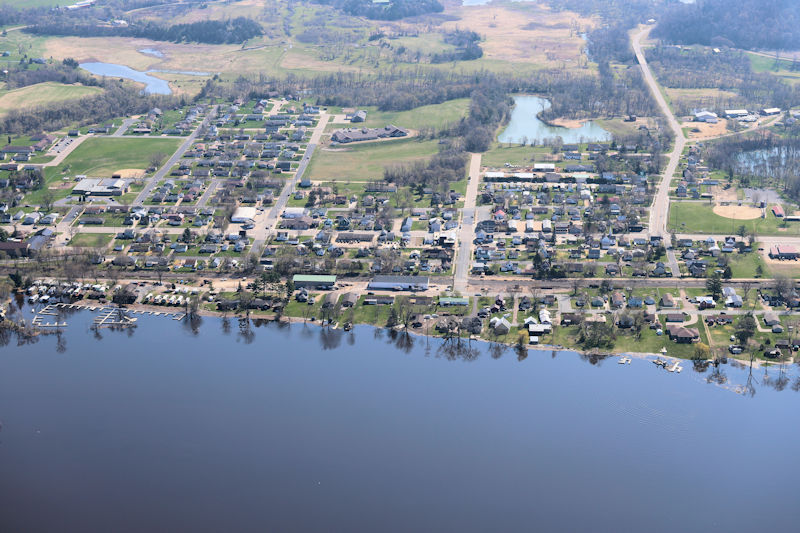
x,y
617,300
777,210
359,116
683,335
500,326
330,300
349,299
731,298
706,302
771,319
674,317
667,300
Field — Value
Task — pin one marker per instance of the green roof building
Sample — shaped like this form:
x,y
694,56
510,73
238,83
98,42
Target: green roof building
x,y
446,301
313,281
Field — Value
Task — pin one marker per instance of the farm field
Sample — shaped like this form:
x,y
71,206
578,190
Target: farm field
x,y
43,94
698,217
367,161
101,157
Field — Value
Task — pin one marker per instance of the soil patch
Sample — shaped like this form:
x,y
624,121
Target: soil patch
x,y
737,212
130,173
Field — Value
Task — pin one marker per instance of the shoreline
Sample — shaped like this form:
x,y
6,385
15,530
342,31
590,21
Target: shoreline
x,y
419,332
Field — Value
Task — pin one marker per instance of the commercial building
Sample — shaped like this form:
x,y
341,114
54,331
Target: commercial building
x,y
313,281
399,283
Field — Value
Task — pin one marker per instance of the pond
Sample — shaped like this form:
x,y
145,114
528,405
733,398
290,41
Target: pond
x,y
232,425
525,124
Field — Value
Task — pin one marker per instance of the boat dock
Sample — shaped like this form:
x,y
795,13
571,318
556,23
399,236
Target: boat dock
x,y
114,317
47,311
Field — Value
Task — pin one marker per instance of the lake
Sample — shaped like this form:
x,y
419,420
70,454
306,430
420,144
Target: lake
x,y
525,123
152,84
229,426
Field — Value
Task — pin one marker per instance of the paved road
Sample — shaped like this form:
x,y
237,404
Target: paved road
x,y
660,211
266,220
209,192
127,123
162,172
464,250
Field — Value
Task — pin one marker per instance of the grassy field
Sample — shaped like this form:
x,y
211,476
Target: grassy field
x,y
91,240
367,161
781,68
500,154
34,3
43,93
101,157
698,217
429,116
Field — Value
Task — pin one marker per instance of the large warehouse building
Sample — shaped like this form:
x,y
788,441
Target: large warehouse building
x,y
399,283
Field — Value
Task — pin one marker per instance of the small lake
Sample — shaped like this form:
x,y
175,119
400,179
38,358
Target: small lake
x,y
152,84
525,123
235,425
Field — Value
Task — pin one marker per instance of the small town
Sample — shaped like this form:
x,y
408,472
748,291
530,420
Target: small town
x,y
555,253
399,265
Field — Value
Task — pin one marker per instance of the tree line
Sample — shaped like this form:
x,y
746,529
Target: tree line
x,y
748,24
727,70
117,100
394,10
228,31
65,72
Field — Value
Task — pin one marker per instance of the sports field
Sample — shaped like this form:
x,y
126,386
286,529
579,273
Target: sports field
x,y
102,157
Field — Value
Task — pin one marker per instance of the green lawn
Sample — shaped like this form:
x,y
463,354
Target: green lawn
x,y
367,161
698,217
91,240
429,116
744,265
781,68
514,154
101,157
43,94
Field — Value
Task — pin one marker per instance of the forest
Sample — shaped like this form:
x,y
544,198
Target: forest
x,y
393,10
728,70
467,47
231,31
748,24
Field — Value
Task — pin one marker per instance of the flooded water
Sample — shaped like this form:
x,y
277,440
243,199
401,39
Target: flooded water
x,y
525,124
229,426
151,52
153,85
